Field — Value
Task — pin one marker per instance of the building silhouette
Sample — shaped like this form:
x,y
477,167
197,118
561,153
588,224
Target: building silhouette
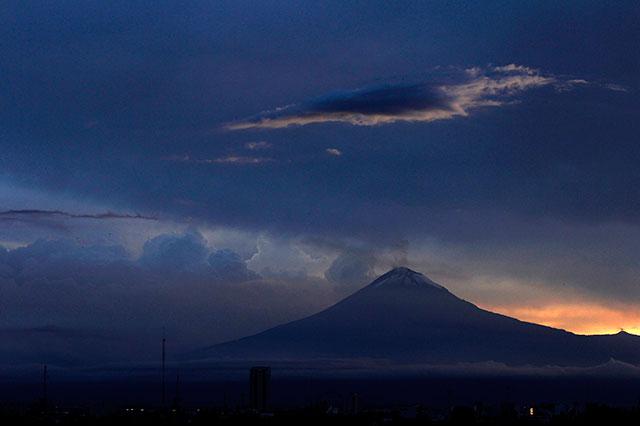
x,y
354,406
259,378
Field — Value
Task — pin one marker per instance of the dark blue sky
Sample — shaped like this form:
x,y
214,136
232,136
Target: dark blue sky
x,y
492,145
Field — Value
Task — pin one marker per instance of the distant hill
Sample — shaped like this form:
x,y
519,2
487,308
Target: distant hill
x,y
405,317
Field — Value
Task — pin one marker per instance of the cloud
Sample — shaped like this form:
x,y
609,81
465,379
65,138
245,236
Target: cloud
x,y
49,287
351,268
228,265
616,87
42,252
288,257
204,289
428,101
229,159
240,160
36,214
56,261
254,146
175,252
334,152
579,317
514,68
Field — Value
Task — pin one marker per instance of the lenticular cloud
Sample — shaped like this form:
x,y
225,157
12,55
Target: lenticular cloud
x,y
455,95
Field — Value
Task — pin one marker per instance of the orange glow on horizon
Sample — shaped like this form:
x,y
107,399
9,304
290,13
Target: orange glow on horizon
x,y
580,318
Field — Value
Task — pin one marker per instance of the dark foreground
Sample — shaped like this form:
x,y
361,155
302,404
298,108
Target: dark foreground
x,y
506,414
314,401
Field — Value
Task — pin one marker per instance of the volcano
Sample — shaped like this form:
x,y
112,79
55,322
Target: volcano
x,y
405,317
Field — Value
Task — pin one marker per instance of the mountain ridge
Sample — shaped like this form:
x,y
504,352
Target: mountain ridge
x,y
405,317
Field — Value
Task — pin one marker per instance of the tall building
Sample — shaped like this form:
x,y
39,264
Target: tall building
x,y
259,378
355,404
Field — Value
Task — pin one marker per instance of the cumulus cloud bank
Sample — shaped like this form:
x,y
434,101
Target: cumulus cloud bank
x,y
428,101
60,299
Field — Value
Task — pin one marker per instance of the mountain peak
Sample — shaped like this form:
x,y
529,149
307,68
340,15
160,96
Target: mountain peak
x,y
405,317
623,333
404,277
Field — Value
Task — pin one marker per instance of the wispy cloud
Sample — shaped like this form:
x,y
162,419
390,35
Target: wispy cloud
x,y
515,68
615,87
31,213
458,96
229,159
334,151
254,146
240,159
